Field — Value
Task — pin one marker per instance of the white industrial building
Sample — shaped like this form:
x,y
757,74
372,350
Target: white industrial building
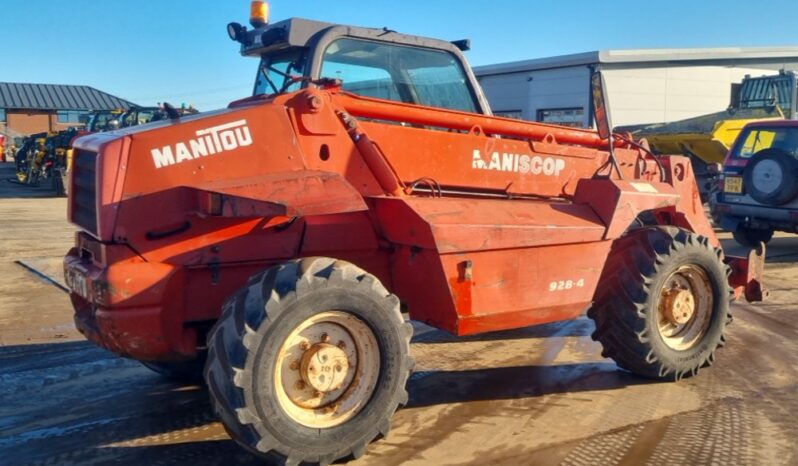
x,y
643,86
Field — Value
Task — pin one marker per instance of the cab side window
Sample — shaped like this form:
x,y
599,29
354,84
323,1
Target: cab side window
x,y
363,80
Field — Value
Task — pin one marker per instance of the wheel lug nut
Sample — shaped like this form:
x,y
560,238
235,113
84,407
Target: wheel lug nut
x,y
325,338
304,346
338,368
300,385
341,344
295,365
317,394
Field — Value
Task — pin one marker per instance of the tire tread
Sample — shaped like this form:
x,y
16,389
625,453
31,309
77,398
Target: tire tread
x,y
620,306
260,301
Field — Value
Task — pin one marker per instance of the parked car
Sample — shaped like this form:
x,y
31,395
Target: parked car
x,y
759,185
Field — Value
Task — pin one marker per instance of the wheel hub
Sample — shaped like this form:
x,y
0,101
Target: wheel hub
x,y
324,367
767,176
679,306
684,308
327,369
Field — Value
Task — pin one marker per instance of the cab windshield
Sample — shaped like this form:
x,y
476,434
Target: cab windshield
x,y
99,121
413,75
139,117
768,91
754,140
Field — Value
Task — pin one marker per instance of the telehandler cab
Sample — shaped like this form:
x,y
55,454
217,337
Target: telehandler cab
x,y
280,239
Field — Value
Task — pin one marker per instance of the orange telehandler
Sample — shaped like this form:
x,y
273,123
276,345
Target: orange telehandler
x,y
277,242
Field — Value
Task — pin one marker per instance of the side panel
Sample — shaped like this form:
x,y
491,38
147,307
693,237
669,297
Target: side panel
x,y
476,292
450,225
476,265
520,287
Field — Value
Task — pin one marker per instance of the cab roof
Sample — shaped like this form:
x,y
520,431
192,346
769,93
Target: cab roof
x,y
772,123
300,32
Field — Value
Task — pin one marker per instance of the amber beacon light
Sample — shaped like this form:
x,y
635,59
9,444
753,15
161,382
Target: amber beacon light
x,y
259,13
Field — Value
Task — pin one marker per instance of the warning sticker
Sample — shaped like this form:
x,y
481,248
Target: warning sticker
x,y
644,188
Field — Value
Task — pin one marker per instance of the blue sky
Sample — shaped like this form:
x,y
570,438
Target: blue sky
x,y
178,51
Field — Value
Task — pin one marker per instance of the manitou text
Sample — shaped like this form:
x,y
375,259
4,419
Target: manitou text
x,y
209,141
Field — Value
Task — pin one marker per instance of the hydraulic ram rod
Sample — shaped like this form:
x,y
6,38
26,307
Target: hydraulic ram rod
x,y
428,116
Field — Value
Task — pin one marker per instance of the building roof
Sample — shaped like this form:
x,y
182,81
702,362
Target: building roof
x,y
631,56
57,97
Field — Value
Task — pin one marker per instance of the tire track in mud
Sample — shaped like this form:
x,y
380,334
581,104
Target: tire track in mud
x,y
477,396
71,403
740,421
63,402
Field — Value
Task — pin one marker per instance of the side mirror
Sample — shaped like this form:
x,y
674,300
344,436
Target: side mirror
x,y
463,44
599,100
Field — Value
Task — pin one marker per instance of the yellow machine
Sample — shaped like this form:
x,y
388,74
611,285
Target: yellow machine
x,y
707,138
35,159
46,156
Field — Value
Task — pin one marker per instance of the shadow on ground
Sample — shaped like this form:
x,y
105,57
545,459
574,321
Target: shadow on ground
x,y
72,402
781,250
11,188
582,327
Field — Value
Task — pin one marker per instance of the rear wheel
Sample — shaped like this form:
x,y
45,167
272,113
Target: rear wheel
x,y
309,362
751,237
771,177
662,303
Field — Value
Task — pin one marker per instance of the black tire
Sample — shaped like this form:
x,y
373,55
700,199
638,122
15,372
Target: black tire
x,y
751,237
627,300
185,371
253,328
757,177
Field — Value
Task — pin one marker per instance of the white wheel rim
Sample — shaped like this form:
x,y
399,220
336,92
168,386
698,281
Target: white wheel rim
x,y
327,369
767,176
684,307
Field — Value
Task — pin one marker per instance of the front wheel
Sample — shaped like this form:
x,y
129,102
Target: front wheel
x,y
662,303
309,362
